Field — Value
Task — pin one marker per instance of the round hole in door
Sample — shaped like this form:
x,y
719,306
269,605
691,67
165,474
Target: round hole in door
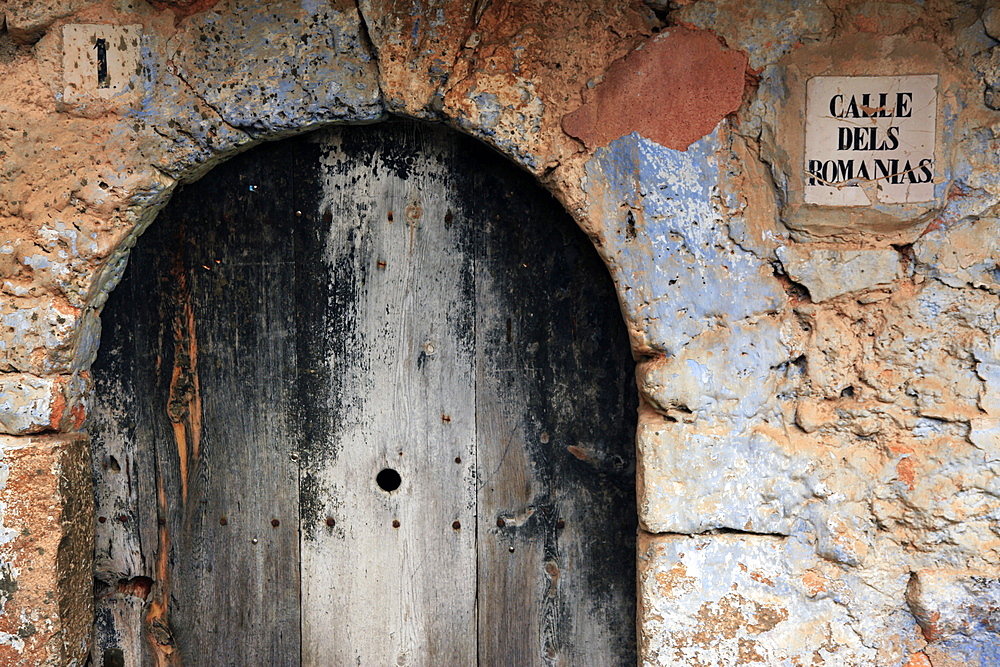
x,y
388,479
496,289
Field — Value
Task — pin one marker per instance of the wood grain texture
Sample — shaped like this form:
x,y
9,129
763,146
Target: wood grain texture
x,y
390,296
124,478
555,424
195,395
393,582
234,587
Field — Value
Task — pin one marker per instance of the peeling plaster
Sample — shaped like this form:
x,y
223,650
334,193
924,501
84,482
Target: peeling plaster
x,y
674,90
828,436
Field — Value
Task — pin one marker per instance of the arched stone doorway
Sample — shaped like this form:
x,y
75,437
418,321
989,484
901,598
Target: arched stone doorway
x,y
279,340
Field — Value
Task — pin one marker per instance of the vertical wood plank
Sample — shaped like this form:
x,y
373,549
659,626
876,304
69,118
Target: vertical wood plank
x,y
236,585
391,578
556,415
218,536
120,419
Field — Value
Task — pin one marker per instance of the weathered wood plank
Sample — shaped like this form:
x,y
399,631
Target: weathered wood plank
x,y
555,427
216,450
120,418
392,582
235,586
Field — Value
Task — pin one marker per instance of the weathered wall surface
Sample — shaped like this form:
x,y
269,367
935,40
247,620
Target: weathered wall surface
x,y
818,445
46,546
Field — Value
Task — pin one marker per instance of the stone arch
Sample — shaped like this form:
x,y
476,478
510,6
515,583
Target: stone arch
x,y
219,101
220,79
117,442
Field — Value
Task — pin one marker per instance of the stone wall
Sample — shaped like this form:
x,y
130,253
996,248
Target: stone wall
x,y
818,443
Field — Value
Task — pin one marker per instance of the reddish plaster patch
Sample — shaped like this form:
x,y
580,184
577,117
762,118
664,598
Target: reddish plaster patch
x,y
918,659
58,407
904,470
673,90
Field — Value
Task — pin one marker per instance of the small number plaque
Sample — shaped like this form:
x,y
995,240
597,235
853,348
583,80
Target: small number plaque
x,y
100,61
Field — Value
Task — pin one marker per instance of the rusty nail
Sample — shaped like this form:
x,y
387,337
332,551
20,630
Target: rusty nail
x,y
395,523
380,264
275,523
330,521
500,522
458,459
560,524
390,216
223,521
161,521
102,519
456,525
446,418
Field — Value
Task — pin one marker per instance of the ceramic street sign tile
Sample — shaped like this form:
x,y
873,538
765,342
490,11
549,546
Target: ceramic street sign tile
x,y
870,139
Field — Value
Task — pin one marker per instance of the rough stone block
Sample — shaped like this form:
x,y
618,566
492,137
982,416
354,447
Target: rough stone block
x,y
963,255
764,30
677,270
716,474
723,600
752,202
279,67
46,550
488,67
37,335
27,19
33,404
830,272
949,602
882,18
735,369
190,137
991,21
412,48
959,613
985,434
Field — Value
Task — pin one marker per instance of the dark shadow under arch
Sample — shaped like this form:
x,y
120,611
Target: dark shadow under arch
x,y
223,396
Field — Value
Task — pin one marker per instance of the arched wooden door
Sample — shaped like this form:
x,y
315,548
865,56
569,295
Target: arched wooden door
x,y
365,398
